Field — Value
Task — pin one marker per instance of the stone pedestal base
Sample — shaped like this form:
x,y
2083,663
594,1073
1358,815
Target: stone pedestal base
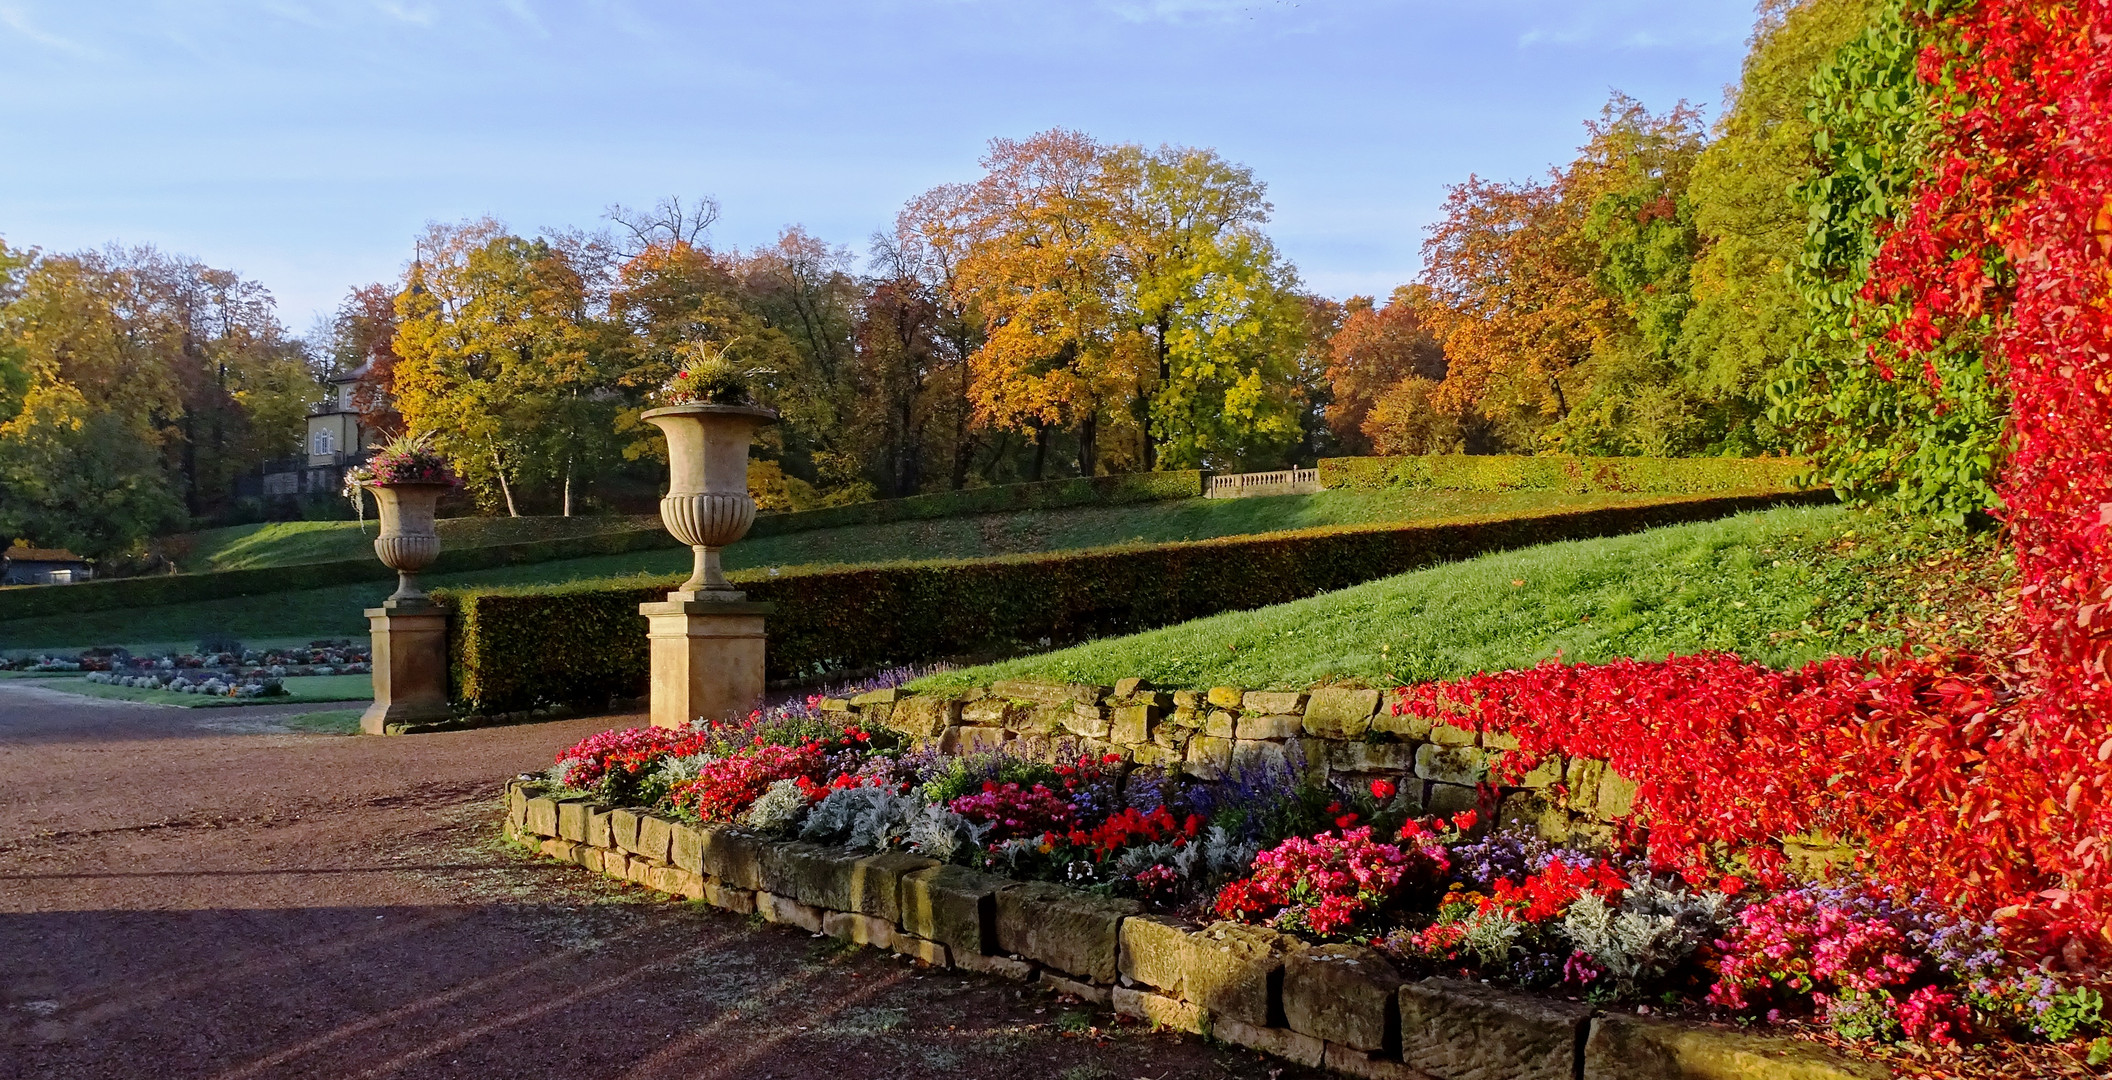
x,y
410,668
707,659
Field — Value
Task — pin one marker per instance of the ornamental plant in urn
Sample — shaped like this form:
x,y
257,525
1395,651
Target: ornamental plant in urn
x,y
407,478
709,422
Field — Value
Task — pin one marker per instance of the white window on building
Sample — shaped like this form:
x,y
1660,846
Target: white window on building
x,y
344,397
323,442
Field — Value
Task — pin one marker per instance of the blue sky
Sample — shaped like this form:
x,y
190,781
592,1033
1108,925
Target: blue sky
x,y
304,142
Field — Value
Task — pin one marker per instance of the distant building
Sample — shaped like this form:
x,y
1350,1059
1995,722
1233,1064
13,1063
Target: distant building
x,y
336,441
42,566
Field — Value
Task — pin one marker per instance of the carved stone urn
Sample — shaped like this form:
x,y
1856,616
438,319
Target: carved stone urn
x,y
408,542
409,631
706,640
707,504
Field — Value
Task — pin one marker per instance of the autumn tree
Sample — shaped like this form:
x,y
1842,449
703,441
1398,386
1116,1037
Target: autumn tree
x,y
504,354
1374,349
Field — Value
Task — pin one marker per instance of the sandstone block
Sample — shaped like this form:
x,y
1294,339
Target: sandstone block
x,y
916,948
734,856
1456,1030
517,806
542,816
1088,721
879,697
686,847
1070,931
812,874
1047,693
971,740
1150,754
1003,967
668,879
1208,757
1227,968
1387,757
1249,755
1335,713
1188,699
1126,687
1161,1011
1532,812
989,712
1445,800
1281,1042
1342,994
721,895
616,864
835,705
561,850
655,837
1154,951
1451,764
924,717
1132,724
1226,697
876,883
1582,779
790,912
1544,775
572,819
1038,720
862,929
640,872
1174,736
1448,735
623,827
1499,740
1639,1048
598,828
1221,724
1272,726
1267,702
1407,728
954,906
1616,796
1083,991
1366,1066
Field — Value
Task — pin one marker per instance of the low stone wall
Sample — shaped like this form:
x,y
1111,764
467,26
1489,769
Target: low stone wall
x,y
1346,735
1341,1007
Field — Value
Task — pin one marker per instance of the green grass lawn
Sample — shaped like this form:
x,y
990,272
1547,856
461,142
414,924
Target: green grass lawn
x,y
298,689
336,611
282,543
327,722
1779,587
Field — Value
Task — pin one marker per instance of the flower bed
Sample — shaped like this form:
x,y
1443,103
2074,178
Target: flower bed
x,y
228,662
1668,919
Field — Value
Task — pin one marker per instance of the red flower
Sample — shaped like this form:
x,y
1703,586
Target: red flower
x,y
1383,790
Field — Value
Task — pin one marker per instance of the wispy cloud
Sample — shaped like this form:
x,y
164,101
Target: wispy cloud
x,y
13,17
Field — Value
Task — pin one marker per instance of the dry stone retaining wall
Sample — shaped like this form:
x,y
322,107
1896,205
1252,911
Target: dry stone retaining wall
x,y
1345,734
1341,1007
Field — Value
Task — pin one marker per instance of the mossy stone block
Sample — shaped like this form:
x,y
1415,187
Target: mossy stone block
x,y
1456,1030
952,905
876,882
813,874
542,816
1342,994
1075,933
1639,1048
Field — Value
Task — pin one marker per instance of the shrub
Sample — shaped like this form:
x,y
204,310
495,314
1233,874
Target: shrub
x,y
1558,472
518,648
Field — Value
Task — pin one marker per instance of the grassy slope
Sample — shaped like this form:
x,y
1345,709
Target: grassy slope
x,y
1780,587
282,543
335,611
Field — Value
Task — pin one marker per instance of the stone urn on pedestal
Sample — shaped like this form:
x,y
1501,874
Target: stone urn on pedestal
x,y
407,479
706,639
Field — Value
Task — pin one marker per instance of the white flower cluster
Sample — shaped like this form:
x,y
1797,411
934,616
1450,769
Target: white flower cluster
x,y
212,686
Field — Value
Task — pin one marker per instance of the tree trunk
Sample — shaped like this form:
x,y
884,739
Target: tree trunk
x,y
1088,443
1561,401
498,469
568,489
1041,451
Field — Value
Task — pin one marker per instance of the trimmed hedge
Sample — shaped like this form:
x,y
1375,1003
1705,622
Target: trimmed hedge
x,y
1046,495
115,593
1558,472
519,648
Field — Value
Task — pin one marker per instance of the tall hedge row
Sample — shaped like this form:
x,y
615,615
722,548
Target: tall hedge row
x,y
517,648
117,593
1560,472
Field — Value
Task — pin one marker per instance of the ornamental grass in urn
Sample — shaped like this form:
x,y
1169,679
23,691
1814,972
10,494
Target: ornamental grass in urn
x,y
709,420
407,477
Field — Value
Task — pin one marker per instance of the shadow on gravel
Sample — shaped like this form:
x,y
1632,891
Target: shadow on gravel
x,y
625,988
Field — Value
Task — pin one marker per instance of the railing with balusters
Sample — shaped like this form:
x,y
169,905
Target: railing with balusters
x,y
1229,486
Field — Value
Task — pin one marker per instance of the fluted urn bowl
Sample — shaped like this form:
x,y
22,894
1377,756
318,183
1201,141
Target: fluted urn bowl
x,y
409,541
707,505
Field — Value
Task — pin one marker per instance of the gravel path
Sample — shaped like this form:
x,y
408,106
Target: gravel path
x,y
190,893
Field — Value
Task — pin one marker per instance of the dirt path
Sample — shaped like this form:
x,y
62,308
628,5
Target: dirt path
x,y
187,893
